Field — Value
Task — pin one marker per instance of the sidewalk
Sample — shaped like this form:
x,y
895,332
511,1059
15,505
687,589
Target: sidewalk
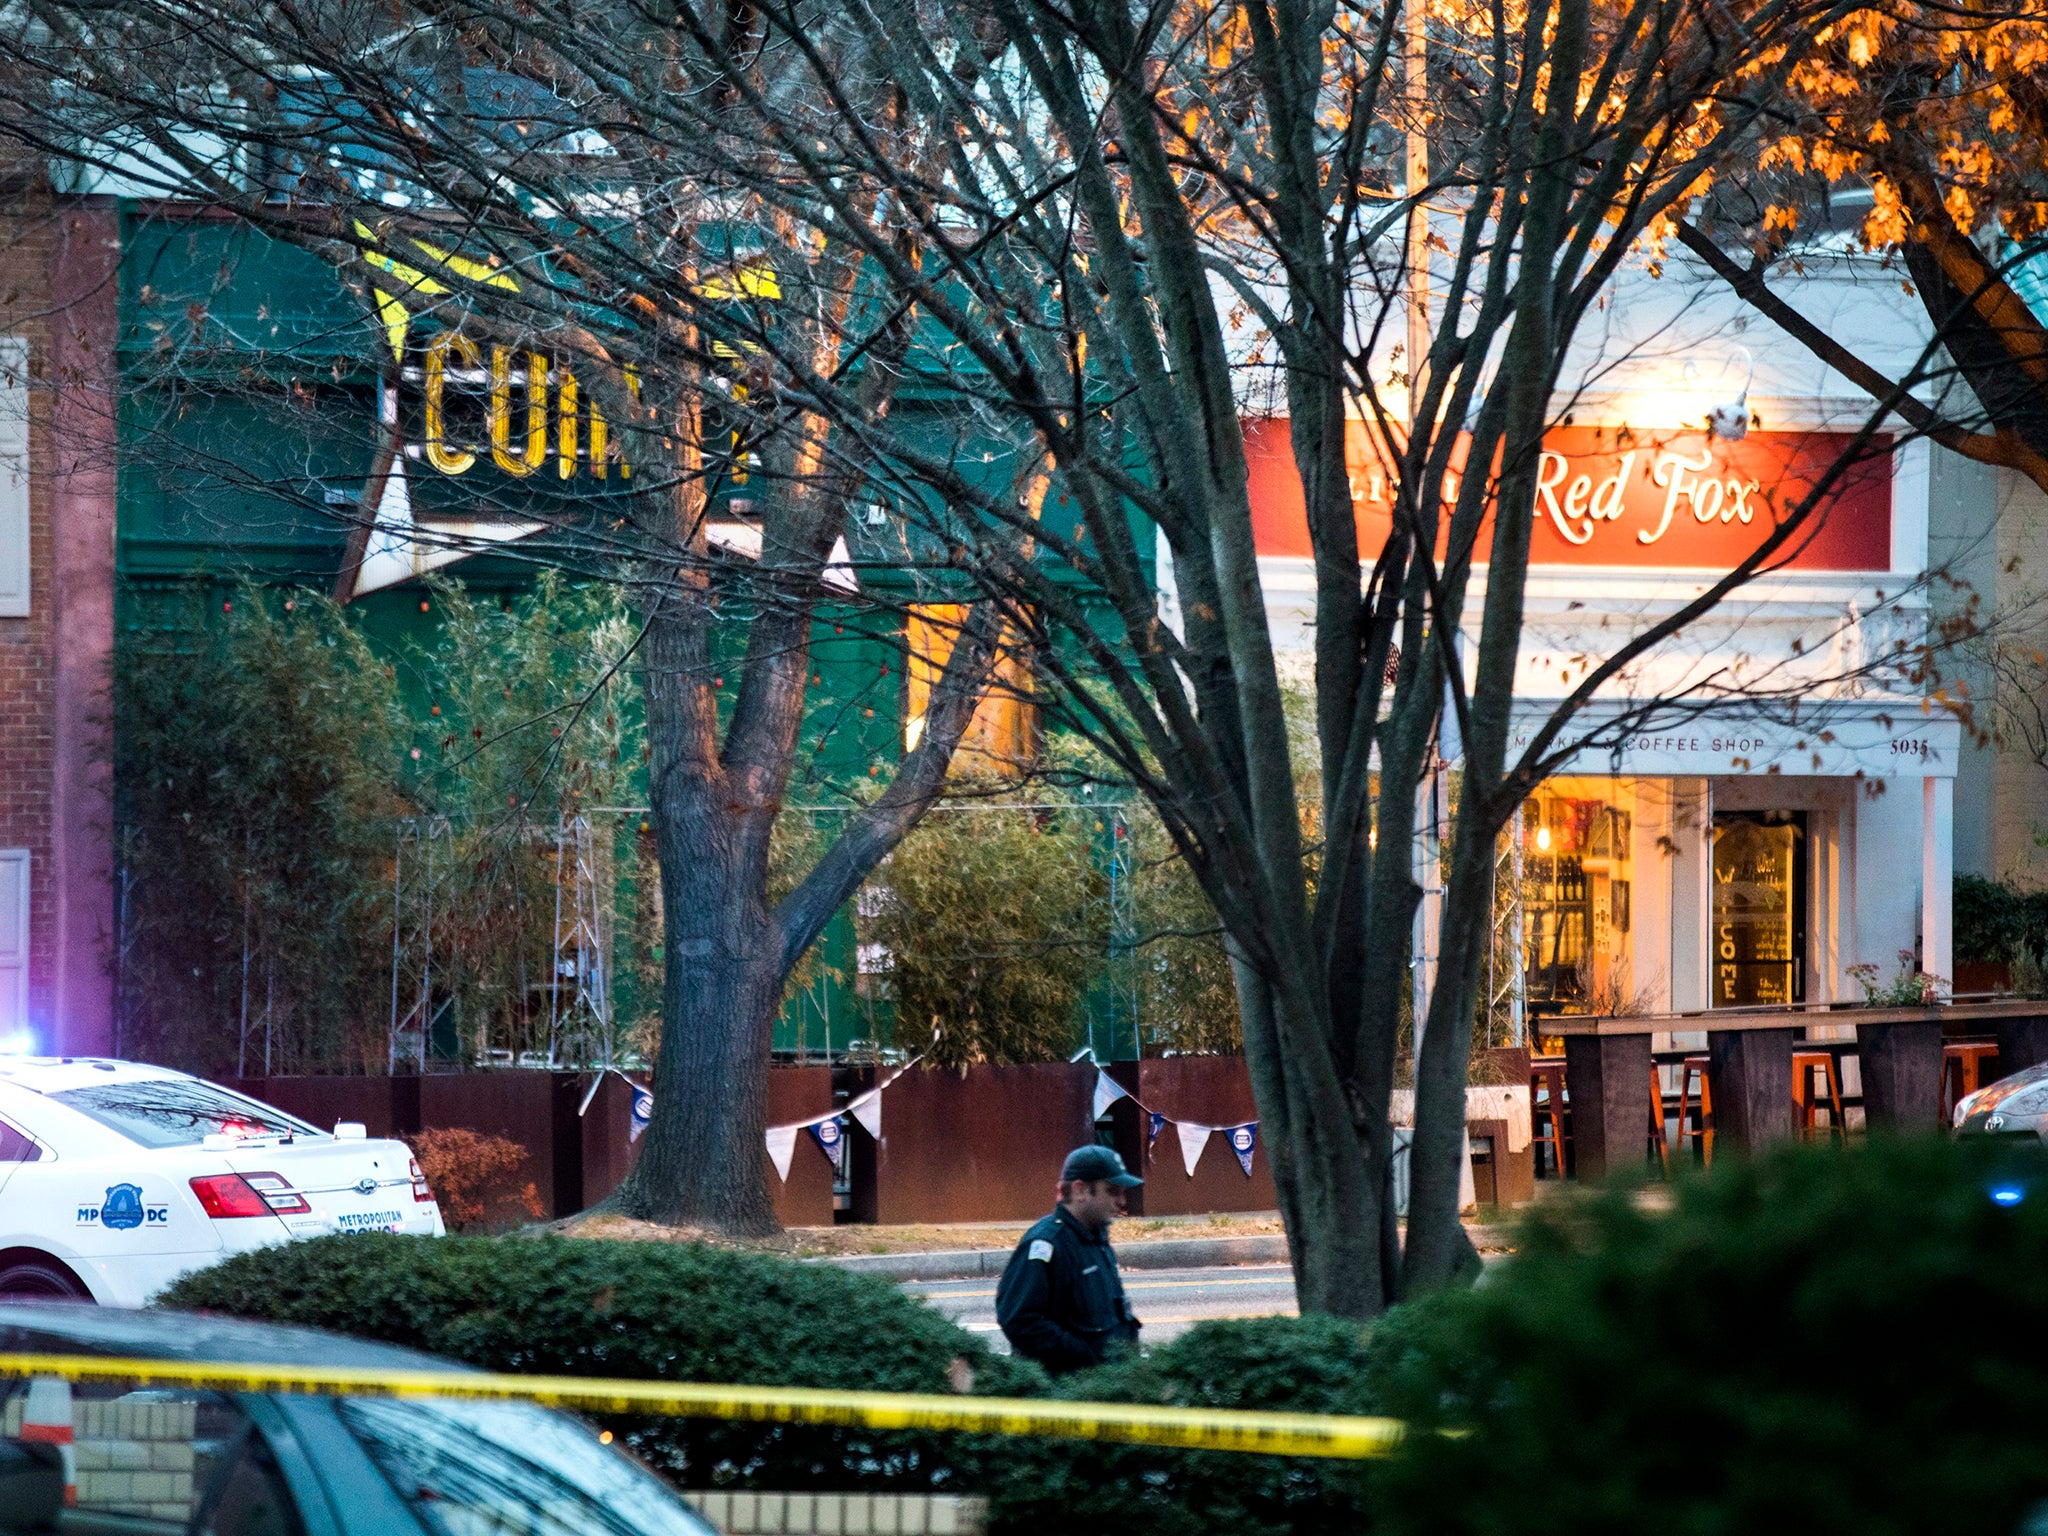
x,y
1189,1242
969,1251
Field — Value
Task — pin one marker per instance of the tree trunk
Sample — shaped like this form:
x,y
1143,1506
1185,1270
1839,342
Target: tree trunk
x,y
1330,1202
702,1156
1438,1249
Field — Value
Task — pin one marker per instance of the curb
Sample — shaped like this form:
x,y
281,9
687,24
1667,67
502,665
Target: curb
x,y
976,1263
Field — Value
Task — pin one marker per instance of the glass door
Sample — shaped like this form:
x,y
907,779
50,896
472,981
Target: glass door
x,y
1759,908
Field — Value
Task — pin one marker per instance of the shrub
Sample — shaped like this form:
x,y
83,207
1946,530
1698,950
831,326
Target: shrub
x,y
663,1311
1997,921
1306,1365
1815,1340
994,921
474,1176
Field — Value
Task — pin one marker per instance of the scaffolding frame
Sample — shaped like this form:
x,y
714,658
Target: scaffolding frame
x,y
580,1029
1121,984
1506,988
415,881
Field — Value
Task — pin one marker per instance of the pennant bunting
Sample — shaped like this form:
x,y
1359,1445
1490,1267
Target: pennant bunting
x,y
831,1138
1107,1092
1157,1123
1244,1140
1192,1139
782,1147
867,1109
642,1112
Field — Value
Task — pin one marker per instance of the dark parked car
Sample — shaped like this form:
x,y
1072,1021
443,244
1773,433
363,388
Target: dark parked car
x,y
179,1462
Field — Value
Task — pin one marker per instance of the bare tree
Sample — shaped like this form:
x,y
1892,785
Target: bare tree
x,y
1148,214
525,200
1081,237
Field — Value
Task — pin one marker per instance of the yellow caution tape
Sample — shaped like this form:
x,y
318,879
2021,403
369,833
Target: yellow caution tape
x,y
1205,1429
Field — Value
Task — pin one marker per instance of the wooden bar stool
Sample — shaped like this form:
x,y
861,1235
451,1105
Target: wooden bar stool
x,y
1806,1103
1658,1146
1694,1070
1962,1070
1546,1111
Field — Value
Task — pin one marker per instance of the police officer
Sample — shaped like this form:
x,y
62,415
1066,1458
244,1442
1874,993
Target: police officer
x,y
1061,1301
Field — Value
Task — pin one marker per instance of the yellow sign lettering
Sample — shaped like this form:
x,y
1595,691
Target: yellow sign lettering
x,y
536,448
565,419
448,461
520,437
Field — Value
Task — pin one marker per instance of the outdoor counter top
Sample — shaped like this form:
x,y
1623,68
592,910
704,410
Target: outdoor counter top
x,y
1796,1016
1611,1074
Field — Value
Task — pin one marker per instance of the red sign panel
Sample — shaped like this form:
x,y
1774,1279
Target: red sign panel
x,y
1609,497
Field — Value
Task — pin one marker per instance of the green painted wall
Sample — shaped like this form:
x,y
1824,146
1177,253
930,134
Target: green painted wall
x,y
249,412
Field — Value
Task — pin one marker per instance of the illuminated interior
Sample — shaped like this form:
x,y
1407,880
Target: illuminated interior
x,y
1577,894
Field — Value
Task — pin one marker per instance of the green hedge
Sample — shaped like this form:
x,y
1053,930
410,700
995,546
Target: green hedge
x,y
662,1311
1817,1341
1081,1488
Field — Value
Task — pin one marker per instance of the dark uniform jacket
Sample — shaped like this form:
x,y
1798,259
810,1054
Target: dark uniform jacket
x,y
1061,1301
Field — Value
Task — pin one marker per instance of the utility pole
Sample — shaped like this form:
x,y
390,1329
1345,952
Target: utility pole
x,y
1415,57
1433,791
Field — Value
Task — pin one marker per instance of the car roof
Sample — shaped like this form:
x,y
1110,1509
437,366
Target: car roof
x,y
61,1327
54,1074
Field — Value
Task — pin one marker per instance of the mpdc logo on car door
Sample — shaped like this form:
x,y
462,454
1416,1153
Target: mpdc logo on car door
x,y
124,1209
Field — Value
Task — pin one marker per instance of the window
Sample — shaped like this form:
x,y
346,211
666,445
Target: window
x,y
506,1469
17,1148
1576,871
14,582
166,1461
13,941
179,1112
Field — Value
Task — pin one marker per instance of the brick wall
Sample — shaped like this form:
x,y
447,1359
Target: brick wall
x,y
27,688
843,1514
134,1459
57,293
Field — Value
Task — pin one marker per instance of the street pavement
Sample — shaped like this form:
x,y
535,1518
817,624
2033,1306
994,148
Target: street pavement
x,y
1168,1302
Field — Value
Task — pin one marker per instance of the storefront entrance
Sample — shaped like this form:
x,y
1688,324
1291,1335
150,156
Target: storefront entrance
x,y
1759,908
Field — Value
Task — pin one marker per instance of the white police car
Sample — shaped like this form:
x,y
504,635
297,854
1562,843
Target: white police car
x,y
116,1178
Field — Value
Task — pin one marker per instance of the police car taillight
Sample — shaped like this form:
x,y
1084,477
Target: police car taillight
x,y
228,1194
420,1191
278,1194
225,1195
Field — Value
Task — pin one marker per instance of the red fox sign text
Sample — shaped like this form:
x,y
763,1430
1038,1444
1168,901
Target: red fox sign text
x,y
1607,496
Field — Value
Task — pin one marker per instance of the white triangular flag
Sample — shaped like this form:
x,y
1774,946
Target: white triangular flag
x,y
1192,1139
867,1109
782,1147
1107,1092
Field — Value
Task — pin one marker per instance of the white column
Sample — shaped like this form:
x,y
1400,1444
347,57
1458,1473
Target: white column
x,y
1937,869
1653,855
1692,893
1825,922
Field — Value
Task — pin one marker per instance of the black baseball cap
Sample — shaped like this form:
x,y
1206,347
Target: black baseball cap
x,y
1098,1164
